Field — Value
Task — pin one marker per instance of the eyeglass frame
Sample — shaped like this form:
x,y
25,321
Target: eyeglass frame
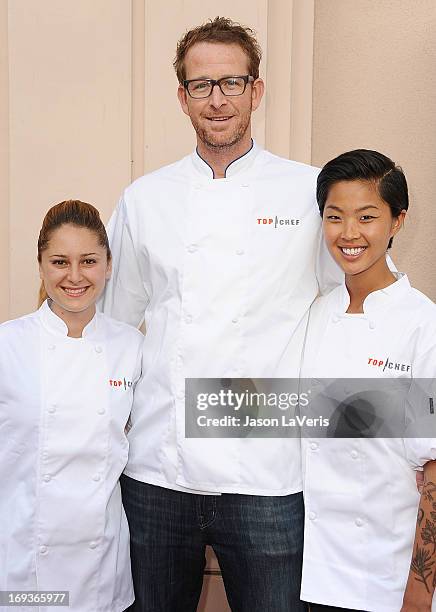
x,y
247,79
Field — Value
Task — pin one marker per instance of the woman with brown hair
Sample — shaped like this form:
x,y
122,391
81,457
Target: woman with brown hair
x,y
67,375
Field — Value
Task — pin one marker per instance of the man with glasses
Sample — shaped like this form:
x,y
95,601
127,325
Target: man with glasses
x,y
217,254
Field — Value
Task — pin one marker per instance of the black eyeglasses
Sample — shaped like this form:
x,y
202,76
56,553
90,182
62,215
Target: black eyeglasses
x,y
229,86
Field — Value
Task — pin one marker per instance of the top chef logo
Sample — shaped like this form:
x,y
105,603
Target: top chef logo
x,y
120,384
386,364
277,221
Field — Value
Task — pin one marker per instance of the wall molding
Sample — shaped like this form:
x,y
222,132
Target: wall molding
x,y
290,78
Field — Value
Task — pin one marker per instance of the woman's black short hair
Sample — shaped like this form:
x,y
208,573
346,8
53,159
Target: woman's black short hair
x,y
366,165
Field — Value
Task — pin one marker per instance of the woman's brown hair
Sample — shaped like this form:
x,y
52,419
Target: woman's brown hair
x,y
70,212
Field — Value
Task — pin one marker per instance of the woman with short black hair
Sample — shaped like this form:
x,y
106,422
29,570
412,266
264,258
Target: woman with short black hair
x,y
363,548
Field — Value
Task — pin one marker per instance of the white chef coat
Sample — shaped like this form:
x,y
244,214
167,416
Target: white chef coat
x,y
360,494
223,271
64,403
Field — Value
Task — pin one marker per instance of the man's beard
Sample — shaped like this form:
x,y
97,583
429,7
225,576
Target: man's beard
x,y
213,142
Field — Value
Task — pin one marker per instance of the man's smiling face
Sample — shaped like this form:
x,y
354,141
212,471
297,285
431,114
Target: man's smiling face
x,y
220,121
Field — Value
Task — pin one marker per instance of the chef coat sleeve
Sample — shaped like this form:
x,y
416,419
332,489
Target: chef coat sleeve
x,y
138,367
125,297
420,436
328,273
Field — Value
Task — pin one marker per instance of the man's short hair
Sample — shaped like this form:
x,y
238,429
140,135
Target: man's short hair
x,y
219,30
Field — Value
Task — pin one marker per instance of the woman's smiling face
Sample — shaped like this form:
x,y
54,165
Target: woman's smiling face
x,y
74,268
358,225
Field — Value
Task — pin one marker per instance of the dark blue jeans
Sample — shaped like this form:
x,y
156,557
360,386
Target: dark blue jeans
x,y
258,542
322,608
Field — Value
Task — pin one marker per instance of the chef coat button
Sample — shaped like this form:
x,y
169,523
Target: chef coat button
x,y
312,516
45,455
371,325
335,319
46,478
314,446
96,477
354,454
51,347
98,349
52,409
181,394
101,411
240,252
192,248
43,550
359,522
188,318
235,320
93,544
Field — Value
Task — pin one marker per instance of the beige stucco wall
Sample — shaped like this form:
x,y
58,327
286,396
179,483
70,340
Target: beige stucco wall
x,y
69,118
4,162
375,87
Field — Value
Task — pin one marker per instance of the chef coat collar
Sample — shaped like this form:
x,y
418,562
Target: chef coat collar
x,y
55,325
377,300
237,165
